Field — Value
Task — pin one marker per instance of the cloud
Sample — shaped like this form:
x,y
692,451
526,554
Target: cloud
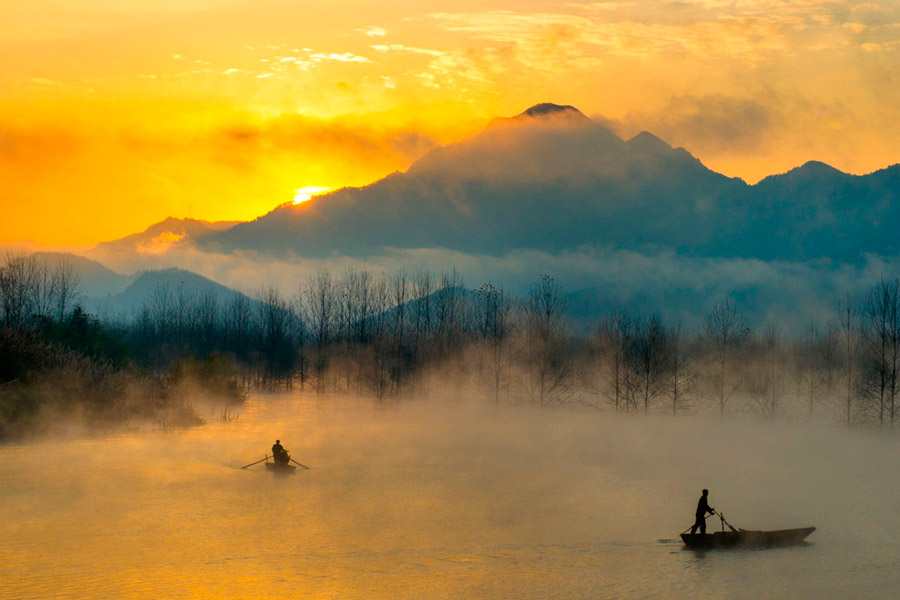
x,y
224,168
710,125
374,31
677,287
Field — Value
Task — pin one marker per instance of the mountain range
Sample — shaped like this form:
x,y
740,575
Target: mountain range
x,y
554,180
631,222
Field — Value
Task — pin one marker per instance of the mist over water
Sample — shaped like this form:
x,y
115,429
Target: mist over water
x,y
447,500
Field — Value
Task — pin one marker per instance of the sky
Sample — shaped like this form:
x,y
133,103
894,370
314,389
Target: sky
x,y
115,114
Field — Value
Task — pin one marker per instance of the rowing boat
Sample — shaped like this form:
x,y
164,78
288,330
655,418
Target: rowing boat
x,y
743,538
280,467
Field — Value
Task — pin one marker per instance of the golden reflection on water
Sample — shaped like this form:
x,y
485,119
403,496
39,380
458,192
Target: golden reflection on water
x,y
436,502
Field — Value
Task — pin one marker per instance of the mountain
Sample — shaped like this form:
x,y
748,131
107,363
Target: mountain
x,y
163,236
149,286
817,211
94,279
549,178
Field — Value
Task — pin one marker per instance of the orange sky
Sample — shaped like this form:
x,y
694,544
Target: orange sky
x,y
115,115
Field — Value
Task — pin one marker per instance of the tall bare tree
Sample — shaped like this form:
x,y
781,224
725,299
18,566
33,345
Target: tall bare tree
x,y
810,367
649,361
66,287
614,335
18,281
881,318
493,324
849,328
680,376
321,305
769,382
547,345
724,330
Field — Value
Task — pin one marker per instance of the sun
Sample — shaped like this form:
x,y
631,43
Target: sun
x,y
306,193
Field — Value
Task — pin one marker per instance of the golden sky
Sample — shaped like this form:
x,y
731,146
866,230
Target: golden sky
x,y
115,114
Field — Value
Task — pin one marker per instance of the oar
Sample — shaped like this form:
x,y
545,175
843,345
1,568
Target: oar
x,y
257,462
302,465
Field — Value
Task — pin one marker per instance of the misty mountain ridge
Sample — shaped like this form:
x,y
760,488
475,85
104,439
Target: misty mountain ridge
x,y
163,236
554,180
172,283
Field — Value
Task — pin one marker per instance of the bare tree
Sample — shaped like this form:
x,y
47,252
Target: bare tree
x,y
18,280
613,337
422,317
381,346
648,361
400,295
492,315
238,328
449,311
275,326
67,288
42,291
724,330
768,386
810,367
206,319
881,318
546,351
679,382
320,303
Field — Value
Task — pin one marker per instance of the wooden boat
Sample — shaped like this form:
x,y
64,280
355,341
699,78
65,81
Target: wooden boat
x,y
743,538
277,467
280,467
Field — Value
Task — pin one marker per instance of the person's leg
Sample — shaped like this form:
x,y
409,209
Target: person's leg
x,y
698,522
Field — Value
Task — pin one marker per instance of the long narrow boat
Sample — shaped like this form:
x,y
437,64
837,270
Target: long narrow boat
x,y
746,539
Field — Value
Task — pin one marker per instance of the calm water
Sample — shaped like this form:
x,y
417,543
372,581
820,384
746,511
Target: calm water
x,y
447,502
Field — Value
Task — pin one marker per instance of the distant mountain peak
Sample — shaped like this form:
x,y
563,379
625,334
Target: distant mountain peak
x,y
543,112
816,166
548,108
648,141
808,171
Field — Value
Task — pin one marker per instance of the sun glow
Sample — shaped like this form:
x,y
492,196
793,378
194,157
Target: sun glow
x,y
306,193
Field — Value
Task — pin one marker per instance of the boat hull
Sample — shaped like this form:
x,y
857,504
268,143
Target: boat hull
x,y
280,468
746,539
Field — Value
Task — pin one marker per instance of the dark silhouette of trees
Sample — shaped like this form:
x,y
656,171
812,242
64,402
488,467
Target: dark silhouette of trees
x,y
400,335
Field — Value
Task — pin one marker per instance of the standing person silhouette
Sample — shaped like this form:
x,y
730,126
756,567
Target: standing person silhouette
x,y
702,509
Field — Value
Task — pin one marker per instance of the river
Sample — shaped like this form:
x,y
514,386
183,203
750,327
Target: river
x,y
433,501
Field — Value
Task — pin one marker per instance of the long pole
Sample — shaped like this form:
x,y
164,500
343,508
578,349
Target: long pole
x,y
302,465
257,462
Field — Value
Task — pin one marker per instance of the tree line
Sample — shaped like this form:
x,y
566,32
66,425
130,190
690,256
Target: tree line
x,y
411,334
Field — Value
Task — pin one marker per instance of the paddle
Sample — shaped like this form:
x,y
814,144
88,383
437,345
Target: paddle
x,y
256,463
302,465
